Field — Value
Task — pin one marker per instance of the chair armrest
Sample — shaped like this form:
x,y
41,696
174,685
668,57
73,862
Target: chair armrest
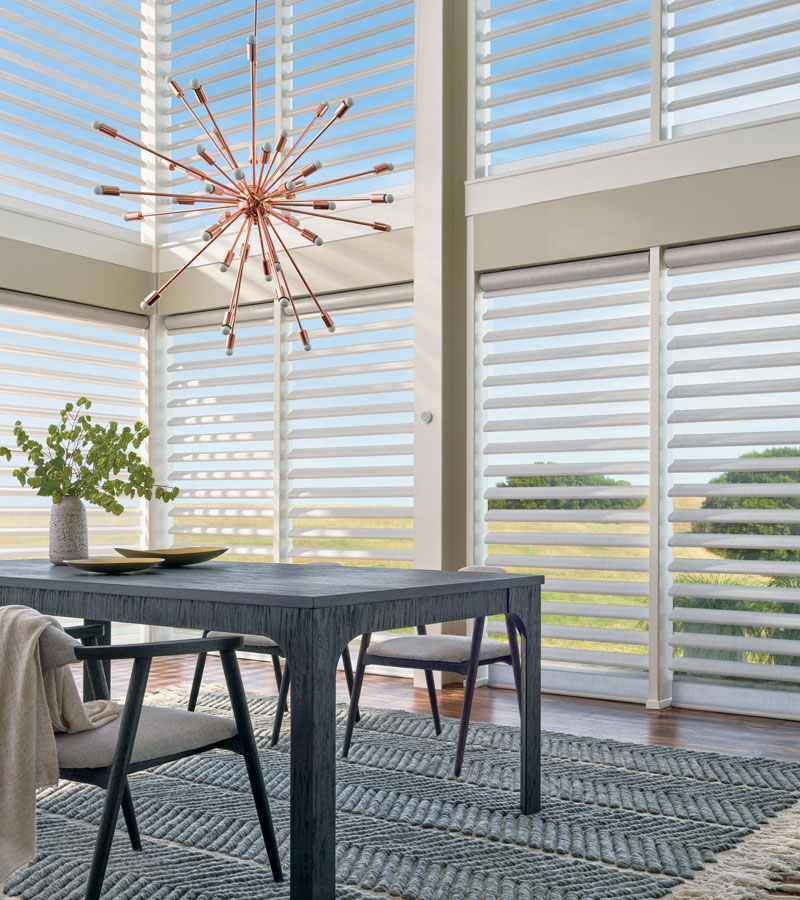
x,y
159,648
83,632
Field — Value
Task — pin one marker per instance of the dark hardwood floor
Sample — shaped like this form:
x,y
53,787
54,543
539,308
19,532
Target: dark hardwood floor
x,y
689,729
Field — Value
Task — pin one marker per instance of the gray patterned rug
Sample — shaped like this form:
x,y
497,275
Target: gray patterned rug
x,y
618,821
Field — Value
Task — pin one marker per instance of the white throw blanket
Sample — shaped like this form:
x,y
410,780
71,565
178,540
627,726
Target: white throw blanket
x,y
33,704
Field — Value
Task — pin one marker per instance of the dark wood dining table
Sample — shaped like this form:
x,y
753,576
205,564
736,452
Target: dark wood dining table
x,y
313,612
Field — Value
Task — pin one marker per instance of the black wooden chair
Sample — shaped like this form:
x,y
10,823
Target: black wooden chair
x,y
438,653
146,736
265,646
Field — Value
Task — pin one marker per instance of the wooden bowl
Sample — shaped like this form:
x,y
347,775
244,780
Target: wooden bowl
x,y
113,565
176,556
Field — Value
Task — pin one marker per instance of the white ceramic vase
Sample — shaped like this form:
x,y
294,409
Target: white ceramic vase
x,y
69,535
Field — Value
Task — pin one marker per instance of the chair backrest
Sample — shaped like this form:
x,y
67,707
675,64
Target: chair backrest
x,y
56,648
495,570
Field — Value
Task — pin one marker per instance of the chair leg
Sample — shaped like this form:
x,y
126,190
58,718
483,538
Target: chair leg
x,y
469,691
118,777
280,710
348,675
429,681
129,812
247,743
513,644
197,680
358,680
276,668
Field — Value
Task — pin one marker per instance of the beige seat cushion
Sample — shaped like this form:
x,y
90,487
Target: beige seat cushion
x,y
161,732
250,640
436,648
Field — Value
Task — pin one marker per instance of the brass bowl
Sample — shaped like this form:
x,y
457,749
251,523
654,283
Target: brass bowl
x,y
175,556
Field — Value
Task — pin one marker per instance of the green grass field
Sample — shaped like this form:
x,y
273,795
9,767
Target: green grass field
x,y
259,528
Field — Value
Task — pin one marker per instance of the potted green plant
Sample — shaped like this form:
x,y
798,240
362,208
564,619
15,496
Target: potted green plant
x,y
81,460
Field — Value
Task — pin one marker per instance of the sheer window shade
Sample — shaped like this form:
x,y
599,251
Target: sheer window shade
x,y
221,434
52,355
343,433
729,61
563,449
558,79
62,64
735,459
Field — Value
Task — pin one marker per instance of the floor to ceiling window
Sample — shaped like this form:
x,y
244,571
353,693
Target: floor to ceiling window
x,y
573,443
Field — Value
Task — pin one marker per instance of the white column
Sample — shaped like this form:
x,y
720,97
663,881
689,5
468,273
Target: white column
x,y
441,503
440,441
660,603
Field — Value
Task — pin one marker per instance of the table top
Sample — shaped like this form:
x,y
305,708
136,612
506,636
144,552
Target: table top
x,y
272,584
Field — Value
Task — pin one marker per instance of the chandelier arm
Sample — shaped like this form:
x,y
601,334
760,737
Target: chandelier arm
x,y
202,125
195,173
308,212
288,156
286,220
234,307
262,181
194,198
154,295
236,239
222,171
264,255
302,277
341,178
282,171
266,158
177,212
220,135
277,268
303,333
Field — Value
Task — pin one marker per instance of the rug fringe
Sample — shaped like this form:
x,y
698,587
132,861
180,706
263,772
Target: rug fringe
x,y
754,867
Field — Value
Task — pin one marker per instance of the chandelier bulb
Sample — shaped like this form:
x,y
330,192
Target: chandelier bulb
x,y
223,268
196,84
210,189
284,302
226,330
318,241
207,235
238,174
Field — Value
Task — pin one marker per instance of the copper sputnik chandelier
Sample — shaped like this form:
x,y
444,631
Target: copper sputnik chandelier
x,y
270,191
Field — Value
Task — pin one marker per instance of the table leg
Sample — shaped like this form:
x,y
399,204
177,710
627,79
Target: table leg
x,y
105,639
312,652
524,606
